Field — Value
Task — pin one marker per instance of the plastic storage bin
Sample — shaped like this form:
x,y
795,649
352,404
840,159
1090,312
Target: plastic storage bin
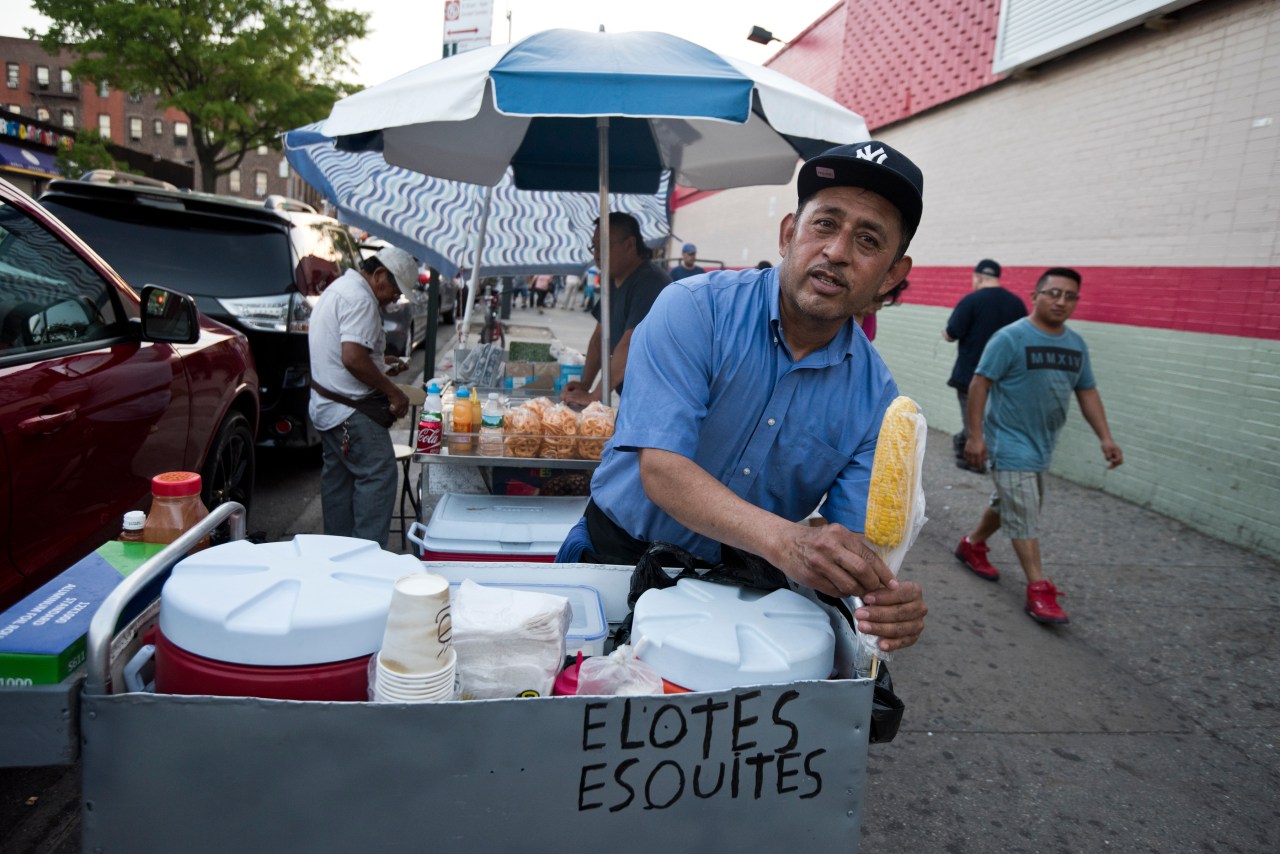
x,y
587,627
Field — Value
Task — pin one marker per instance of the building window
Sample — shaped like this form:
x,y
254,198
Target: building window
x,y
68,119
135,128
103,89
180,133
104,125
262,149
12,73
14,108
260,182
42,115
68,85
233,180
159,127
135,96
42,76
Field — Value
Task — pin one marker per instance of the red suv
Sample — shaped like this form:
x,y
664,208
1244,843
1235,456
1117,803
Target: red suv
x,y
101,387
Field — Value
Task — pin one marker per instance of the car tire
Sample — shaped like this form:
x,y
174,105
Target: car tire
x,y
229,469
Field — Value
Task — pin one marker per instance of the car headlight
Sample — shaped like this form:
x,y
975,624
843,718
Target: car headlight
x,y
282,313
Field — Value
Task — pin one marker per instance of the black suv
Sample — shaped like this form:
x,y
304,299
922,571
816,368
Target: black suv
x,y
257,267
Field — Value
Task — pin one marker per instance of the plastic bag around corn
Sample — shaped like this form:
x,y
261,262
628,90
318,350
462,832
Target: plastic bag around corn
x,y
894,556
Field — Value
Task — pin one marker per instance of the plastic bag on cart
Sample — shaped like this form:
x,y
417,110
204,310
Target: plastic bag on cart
x,y
618,674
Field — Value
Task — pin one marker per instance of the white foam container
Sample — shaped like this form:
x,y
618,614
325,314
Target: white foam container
x,y
587,626
708,637
312,599
499,527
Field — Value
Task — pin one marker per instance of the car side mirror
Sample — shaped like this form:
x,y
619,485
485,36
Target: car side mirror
x,y
169,317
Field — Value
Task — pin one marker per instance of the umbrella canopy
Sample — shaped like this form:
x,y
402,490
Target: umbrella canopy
x,y
577,111
714,122
436,219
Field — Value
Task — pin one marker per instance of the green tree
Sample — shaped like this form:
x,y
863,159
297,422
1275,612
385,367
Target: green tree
x,y
88,152
242,70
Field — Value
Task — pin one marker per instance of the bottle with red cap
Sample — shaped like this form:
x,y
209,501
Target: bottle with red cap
x,y
175,508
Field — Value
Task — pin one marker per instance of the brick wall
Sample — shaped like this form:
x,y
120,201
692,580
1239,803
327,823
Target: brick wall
x,y
1149,160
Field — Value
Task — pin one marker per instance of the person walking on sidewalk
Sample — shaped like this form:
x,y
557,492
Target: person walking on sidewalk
x,y
353,400
978,316
1028,371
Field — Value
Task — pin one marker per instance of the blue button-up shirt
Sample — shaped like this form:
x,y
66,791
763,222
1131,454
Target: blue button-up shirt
x,y
710,377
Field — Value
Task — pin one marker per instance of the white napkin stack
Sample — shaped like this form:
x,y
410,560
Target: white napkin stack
x,y
509,642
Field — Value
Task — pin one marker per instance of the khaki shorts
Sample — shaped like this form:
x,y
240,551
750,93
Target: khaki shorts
x,y
1017,500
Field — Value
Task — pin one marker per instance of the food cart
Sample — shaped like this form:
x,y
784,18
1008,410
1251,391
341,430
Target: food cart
x,y
766,767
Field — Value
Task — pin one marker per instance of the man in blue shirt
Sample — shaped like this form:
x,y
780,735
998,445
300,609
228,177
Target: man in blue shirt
x,y
751,394
1018,402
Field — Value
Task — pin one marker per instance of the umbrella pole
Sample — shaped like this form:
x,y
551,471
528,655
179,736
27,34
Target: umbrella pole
x,y
473,289
606,282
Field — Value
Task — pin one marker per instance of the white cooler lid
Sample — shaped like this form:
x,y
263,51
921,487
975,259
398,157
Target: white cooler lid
x,y
706,637
314,600
502,524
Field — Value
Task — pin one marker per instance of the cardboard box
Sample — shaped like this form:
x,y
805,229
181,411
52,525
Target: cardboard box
x,y
42,638
542,376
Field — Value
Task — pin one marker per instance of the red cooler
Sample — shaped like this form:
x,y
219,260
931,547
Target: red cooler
x,y
499,527
289,621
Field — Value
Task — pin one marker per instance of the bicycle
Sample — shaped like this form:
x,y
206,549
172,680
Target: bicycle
x,y
492,331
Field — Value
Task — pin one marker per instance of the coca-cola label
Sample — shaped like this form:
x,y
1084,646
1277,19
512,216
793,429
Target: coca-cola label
x,y
429,429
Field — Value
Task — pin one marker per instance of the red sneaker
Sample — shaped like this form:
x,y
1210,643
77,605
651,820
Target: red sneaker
x,y
1042,603
974,556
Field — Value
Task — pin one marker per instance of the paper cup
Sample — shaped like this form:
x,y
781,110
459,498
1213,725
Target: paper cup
x,y
392,687
419,633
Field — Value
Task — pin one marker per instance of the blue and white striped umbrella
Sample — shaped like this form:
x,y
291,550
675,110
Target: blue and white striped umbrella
x,y
582,111
436,219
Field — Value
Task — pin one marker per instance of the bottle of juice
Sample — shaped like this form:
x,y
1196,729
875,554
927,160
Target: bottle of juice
x,y
175,508
460,439
491,427
476,409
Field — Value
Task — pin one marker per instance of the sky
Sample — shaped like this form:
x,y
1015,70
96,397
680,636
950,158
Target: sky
x,y
405,34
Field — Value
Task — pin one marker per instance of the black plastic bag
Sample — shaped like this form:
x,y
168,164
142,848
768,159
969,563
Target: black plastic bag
x,y
886,708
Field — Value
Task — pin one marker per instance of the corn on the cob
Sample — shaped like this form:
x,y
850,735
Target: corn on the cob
x,y
893,474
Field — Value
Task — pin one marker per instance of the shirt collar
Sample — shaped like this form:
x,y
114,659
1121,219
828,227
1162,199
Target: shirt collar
x,y
842,346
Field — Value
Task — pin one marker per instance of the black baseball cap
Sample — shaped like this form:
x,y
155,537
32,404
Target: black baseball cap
x,y
987,267
873,165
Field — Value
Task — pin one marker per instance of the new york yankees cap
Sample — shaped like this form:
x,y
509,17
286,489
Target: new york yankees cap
x,y
873,165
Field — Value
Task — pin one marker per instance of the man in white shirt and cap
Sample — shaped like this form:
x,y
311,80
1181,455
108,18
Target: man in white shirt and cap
x,y
353,399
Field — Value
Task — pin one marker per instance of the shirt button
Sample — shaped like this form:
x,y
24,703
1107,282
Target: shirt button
x,y
747,470
771,422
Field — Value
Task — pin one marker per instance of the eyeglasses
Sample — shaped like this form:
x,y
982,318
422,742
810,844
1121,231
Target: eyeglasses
x,y
1058,293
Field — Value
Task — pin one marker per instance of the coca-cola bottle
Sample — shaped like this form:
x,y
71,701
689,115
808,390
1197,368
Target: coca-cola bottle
x,y
431,423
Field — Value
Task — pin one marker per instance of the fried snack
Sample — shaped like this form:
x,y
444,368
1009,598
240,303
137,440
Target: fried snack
x,y
596,420
559,429
540,405
523,429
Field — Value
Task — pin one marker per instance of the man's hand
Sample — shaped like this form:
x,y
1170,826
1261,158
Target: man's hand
x,y
975,452
575,393
833,560
1111,451
894,616
399,401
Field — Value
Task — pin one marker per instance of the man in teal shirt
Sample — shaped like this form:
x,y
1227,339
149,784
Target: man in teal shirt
x,y
1018,401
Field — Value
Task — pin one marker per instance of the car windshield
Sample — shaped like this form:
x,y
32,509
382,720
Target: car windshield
x,y
199,255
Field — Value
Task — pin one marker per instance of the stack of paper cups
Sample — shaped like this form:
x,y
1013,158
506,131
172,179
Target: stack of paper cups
x,y
417,662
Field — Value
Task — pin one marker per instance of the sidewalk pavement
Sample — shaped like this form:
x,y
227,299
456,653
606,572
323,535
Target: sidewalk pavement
x,y
1150,722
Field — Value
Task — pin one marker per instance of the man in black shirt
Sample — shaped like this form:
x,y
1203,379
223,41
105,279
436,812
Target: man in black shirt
x,y
977,317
